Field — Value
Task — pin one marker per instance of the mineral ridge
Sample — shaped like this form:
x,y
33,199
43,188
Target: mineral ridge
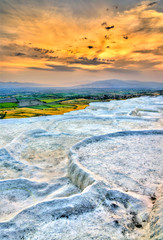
x,y
89,174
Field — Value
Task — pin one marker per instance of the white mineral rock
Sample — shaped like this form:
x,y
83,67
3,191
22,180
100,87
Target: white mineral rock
x,y
89,174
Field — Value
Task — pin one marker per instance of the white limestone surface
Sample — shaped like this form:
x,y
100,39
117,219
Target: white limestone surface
x,y
130,160
89,174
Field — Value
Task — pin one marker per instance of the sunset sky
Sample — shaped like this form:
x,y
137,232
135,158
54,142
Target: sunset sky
x,y
69,42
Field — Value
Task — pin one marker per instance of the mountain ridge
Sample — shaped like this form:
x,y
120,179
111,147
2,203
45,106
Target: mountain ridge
x,y
118,84
103,84
19,84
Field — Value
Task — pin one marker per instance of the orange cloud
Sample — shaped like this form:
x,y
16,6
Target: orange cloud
x,y
130,39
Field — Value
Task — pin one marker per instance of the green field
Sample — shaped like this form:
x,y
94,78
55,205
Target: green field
x,y
39,107
8,105
51,100
51,106
60,103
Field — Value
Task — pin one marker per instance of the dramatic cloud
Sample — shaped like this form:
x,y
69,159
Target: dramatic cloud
x,y
79,35
157,51
121,70
152,3
108,28
86,61
27,51
56,68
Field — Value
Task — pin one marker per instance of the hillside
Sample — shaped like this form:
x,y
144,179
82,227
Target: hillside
x,y
120,84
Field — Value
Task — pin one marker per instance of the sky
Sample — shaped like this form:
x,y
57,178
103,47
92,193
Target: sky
x,y
71,42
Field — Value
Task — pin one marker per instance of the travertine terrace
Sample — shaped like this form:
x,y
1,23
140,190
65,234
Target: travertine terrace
x,y
89,174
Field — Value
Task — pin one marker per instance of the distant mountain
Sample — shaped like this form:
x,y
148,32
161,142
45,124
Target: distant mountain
x,y
120,84
105,84
19,85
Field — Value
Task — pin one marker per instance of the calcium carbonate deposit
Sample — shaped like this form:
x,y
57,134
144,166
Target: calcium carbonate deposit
x,y
89,174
